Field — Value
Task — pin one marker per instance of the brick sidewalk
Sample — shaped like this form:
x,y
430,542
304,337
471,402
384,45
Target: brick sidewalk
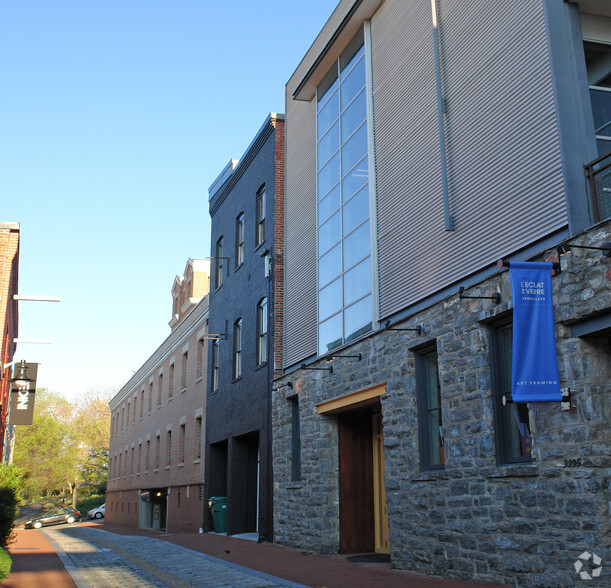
x,y
318,571
35,563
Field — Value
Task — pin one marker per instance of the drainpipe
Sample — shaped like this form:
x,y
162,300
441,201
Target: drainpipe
x,y
440,122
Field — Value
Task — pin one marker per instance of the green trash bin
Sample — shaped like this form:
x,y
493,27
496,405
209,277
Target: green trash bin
x,y
218,508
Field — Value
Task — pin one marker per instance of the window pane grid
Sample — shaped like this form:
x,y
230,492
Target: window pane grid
x,y
348,90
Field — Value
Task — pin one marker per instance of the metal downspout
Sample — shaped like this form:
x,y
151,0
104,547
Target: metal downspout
x,y
440,123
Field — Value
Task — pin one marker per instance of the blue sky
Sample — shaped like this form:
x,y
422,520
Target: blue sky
x,y
115,117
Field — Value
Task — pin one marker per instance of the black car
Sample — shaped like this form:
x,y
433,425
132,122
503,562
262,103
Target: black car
x,y
55,517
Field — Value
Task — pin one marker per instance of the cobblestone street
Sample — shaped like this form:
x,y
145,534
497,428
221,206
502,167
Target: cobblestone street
x,y
98,558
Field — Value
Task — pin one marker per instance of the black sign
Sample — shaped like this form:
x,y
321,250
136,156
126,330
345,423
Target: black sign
x,y
21,407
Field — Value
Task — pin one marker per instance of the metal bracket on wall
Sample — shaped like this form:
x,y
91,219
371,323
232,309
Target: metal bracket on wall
x,y
280,386
328,368
358,357
418,329
566,248
496,296
501,263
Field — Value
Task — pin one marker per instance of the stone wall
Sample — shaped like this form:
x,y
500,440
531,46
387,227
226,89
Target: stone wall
x,y
522,524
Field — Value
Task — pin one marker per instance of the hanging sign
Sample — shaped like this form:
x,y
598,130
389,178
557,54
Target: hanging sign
x,y
534,371
21,406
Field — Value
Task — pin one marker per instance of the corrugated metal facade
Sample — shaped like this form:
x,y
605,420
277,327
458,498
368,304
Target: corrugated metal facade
x,y
503,154
504,165
300,232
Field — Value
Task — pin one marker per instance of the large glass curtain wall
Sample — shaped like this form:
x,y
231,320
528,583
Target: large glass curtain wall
x,y
345,306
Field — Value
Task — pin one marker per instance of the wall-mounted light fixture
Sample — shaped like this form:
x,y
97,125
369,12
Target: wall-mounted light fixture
x,y
20,377
280,386
358,356
418,329
566,248
328,368
496,296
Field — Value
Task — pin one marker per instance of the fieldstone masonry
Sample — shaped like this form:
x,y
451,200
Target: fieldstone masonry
x,y
523,525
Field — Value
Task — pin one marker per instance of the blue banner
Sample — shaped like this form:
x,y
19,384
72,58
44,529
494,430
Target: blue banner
x,y
534,370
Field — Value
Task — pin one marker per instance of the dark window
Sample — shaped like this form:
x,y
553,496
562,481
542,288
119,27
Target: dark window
x,y
429,410
513,440
181,444
295,439
598,64
168,448
185,360
197,452
200,358
261,203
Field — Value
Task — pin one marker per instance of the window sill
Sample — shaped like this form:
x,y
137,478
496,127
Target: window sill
x,y
196,461
236,379
183,390
237,267
296,485
167,467
181,464
429,476
513,470
199,379
170,398
261,366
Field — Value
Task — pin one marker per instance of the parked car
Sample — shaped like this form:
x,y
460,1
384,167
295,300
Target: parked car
x,y
55,517
97,513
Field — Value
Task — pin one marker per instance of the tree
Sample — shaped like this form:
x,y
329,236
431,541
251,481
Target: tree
x,y
11,484
67,445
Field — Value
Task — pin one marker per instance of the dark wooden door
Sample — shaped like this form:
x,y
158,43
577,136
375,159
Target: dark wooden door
x,y
356,514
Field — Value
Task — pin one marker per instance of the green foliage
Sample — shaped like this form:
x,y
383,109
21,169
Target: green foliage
x,y
5,564
12,477
92,502
67,445
8,513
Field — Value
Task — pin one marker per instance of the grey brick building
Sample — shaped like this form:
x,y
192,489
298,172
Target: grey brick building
x,y
246,211
422,147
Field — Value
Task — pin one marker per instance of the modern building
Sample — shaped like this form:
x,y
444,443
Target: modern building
x,y
156,457
425,141
9,324
246,209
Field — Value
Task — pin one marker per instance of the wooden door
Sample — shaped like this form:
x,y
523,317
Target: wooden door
x,y
356,505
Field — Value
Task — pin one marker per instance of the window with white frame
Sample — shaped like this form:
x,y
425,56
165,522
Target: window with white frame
x,y
218,275
262,328
260,214
237,349
239,240
345,302
215,365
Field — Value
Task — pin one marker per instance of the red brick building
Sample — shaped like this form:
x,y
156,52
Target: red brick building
x,y
9,319
156,455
